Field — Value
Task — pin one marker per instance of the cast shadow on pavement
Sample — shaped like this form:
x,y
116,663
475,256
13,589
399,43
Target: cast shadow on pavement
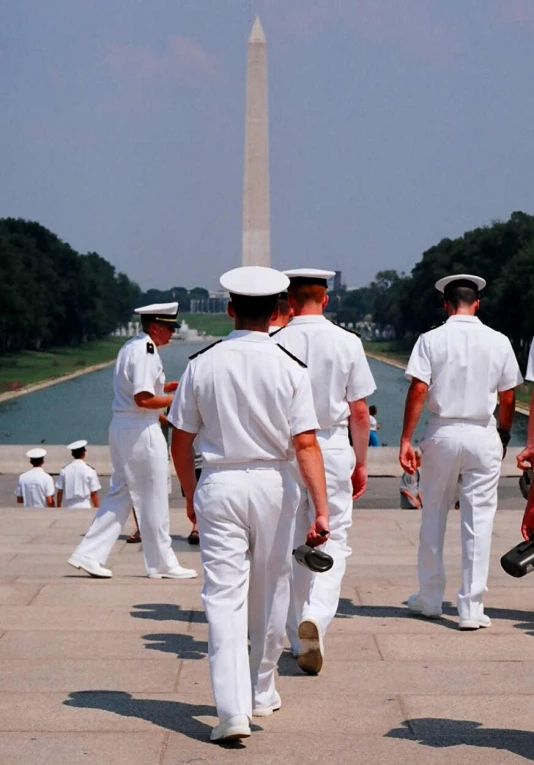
x,y
175,716
347,609
167,612
442,732
184,646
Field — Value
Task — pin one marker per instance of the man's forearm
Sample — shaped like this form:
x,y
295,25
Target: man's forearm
x,y
530,432
507,411
59,497
184,462
146,401
311,466
414,406
359,429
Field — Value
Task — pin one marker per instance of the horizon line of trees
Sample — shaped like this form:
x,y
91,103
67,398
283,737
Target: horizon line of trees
x,y
502,253
53,295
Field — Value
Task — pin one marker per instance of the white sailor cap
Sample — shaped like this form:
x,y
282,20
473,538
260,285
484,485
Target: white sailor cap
x,y
164,313
36,454
465,280
309,276
254,281
77,445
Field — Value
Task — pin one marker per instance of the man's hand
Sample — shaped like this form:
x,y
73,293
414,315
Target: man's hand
x,y
527,524
359,481
407,457
525,459
318,532
170,387
190,510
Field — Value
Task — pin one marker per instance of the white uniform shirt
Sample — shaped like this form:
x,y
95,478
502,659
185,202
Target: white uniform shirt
x,y
138,368
245,398
372,422
530,365
337,365
77,480
34,486
464,363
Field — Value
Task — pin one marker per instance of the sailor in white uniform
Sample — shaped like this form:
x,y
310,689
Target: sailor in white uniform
x,y
460,369
78,482
35,488
525,459
138,454
248,403
341,380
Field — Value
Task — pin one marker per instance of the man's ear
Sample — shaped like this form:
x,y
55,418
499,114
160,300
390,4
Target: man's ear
x,y
275,314
230,310
324,302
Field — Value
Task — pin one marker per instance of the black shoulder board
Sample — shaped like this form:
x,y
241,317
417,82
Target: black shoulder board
x,y
352,331
301,363
205,349
150,347
276,331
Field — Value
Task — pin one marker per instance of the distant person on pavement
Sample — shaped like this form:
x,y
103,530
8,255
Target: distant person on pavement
x,y
374,425
78,482
35,487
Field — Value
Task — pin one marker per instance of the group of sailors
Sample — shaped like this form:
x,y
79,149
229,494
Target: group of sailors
x,y
77,484
278,412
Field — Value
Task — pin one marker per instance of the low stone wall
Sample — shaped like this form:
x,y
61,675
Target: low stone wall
x,y
382,461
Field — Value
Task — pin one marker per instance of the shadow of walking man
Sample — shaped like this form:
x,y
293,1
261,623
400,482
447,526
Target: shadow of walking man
x,y
441,732
175,716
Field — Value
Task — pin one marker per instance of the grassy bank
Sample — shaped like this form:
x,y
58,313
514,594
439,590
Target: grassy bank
x,y
217,324
17,370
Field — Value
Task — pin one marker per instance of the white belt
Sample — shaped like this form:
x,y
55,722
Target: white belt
x,y
486,422
336,429
252,465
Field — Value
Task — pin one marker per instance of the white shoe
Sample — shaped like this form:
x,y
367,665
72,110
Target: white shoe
x,y
234,728
415,606
311,654
175,573
90,566
474,624
267,711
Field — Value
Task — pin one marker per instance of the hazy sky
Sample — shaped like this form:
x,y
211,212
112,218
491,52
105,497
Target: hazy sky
x,y
393,123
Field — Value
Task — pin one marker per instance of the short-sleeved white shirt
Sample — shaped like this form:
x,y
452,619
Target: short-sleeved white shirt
x,y
530,364
138,368
464,363
337,365
34,486
246,398
77,481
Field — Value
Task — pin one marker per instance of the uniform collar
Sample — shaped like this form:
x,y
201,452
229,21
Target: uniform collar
x,y
248,334
307,319
464,317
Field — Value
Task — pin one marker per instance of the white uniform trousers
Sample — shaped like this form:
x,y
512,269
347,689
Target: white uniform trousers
x,y
316,596
245,520
138,479
464,455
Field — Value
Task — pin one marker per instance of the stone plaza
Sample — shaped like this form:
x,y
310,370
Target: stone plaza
x,y
115,672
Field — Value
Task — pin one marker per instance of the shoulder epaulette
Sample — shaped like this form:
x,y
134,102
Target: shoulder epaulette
x,y
198,353
301,363
276,331
352,331
150,347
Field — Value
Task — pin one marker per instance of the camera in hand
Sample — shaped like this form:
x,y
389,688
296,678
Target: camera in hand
x,y
520,559
312,559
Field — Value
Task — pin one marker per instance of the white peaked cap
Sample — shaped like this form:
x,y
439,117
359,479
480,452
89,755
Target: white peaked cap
x,y
156,309
254,281
77,445
309,273
35,454
478,281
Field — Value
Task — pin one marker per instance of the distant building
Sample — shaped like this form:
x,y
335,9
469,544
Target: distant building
x,y
215,303
338,282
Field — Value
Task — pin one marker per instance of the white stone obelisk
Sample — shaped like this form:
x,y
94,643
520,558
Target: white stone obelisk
x,y
256,206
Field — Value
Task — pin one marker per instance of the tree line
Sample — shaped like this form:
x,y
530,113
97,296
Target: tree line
x,y
502,253
52,295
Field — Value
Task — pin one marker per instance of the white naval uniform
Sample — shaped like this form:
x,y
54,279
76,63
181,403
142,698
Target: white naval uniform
x,y
34,486
339,374
77,481
465,364
529,375
245,398
139,463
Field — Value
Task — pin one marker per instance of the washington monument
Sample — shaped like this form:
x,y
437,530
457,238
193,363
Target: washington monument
x,y
256,214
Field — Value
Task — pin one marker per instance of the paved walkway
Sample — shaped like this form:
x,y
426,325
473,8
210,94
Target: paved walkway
x,y
115,672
